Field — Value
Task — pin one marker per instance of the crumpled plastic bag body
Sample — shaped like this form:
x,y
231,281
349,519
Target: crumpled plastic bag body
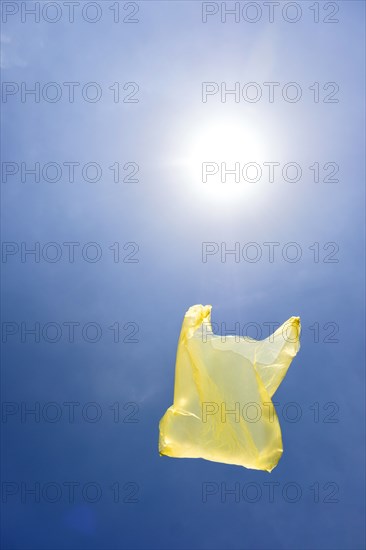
x,y
222,408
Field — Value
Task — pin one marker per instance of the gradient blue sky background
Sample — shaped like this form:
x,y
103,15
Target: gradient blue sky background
x,y
169,213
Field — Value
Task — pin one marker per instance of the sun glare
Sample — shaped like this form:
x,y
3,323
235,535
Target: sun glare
x,y
223,158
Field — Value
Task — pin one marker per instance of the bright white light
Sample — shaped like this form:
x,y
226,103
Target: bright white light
x,y
225,140
214,150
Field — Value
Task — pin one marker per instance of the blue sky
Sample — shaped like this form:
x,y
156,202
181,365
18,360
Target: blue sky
x,y
168,214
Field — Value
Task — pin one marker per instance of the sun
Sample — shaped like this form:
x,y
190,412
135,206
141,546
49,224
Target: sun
x,y
223,156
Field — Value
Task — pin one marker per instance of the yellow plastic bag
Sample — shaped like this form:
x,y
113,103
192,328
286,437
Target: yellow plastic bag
x,y
222,407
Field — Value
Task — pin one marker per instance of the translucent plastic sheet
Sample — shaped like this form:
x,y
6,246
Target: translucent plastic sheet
x,y
222,407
